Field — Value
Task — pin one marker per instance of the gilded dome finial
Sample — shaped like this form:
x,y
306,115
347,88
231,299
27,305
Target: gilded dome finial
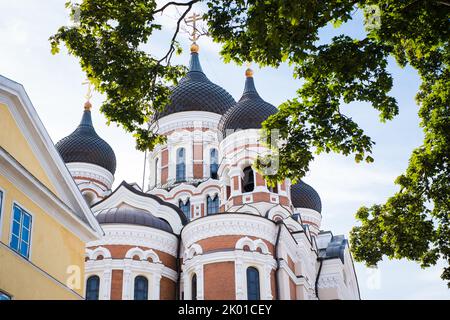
x,y
194,48
249,71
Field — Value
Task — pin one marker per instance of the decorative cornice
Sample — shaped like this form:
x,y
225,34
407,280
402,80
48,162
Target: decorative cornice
x,y
138,236
228,224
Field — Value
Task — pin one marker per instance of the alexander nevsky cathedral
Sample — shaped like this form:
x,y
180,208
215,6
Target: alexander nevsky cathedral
x,y
207,226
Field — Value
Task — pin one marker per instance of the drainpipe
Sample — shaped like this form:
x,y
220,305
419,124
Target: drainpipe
x,y
317,279
177,286
277,285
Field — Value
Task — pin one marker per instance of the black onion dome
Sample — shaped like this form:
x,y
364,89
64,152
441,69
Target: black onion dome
x,y
84,145
195,92
304,196
249,112
131,215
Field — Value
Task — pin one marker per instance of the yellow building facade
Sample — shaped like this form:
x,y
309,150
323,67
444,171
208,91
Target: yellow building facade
x,y
44,220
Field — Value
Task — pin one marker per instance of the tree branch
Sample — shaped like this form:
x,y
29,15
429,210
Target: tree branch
x,y
190,3
169,53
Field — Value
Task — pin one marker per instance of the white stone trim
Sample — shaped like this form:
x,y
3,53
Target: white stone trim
x,y
228,224
188,119
119,234
143,255
89,170
192,251
252,244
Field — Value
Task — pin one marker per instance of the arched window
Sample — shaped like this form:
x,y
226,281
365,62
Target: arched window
x,y
214,163
185,207
181,165
212,206
157,179
92,288
194,287
140,288
248,182
253,284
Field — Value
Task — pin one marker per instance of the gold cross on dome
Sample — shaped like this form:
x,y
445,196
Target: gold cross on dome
x,y
88,95
193,19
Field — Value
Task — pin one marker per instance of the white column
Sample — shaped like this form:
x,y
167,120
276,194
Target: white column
x,y
267,295
156,285
239,279
106,291
200,282
127,286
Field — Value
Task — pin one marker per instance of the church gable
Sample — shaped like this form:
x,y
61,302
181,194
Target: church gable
x,y
14,142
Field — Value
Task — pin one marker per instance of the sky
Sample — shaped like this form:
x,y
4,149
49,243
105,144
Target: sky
x,y
54,85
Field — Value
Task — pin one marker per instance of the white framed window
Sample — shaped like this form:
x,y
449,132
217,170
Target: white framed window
x,y
21,231
212,204
93,288
140,288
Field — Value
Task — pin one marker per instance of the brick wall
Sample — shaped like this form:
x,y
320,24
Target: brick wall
x,y
219,281
168,289
116,284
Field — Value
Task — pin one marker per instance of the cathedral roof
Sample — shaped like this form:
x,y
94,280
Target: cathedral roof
x,y
195,92
84,145
125,214
304,196
249,112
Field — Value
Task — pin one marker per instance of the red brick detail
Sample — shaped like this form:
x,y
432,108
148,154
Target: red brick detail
x,y
198,170
219,283
236,181
164,175
167,289
237,200
259,179
164,157
225,243
273,285
261,197
116,284
164,165
284,201
283,186
119,251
